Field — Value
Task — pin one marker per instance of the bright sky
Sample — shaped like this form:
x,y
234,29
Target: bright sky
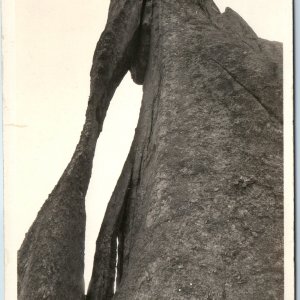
x,y
54,45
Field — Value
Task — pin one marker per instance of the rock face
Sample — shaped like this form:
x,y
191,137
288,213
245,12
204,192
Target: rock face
x,y
198,210
203,211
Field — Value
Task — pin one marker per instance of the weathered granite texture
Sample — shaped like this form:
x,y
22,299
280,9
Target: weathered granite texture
x,y
198,210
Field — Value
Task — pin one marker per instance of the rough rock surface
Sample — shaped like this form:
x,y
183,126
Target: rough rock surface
x,y
198,210
202,217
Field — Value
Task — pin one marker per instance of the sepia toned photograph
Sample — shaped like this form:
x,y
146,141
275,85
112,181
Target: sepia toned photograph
x,y
148,149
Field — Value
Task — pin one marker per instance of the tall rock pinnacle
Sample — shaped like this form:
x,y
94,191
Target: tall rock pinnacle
x,y
197,212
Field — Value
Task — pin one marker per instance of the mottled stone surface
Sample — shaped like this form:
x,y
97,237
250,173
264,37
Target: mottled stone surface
x,y
198,210
204,206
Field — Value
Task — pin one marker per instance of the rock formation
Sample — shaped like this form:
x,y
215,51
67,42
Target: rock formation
x,y
51,258
197,212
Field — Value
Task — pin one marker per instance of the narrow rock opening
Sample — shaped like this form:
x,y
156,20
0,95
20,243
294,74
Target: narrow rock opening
x,y
116,265
111,152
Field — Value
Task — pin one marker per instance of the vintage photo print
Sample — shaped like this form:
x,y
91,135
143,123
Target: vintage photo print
x,y
148,149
